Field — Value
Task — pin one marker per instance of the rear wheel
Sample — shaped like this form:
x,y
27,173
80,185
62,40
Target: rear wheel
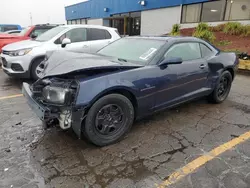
x,y
222,88
35,71
109,119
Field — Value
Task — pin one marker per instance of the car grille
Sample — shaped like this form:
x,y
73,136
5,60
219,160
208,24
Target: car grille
x,y
16,67
4,62
6,52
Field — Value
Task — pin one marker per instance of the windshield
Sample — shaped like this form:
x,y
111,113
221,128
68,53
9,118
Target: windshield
x,y
24,31
50,34
133,49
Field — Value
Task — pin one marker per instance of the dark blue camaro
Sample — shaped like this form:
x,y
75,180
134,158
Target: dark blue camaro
x,y
100,95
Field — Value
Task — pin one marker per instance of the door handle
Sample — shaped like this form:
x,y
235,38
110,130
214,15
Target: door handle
x,y
85,46
202,66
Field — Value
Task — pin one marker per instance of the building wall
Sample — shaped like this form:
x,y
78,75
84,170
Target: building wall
x,y
159,21
95,22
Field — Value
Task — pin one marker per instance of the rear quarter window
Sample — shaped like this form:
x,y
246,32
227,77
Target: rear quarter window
x,y
206,51
98,34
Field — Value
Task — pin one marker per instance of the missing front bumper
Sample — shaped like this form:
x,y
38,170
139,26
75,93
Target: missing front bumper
x,y
75,118
39,110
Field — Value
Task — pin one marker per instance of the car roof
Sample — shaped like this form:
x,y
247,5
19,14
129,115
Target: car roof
x,y
166,38
9,25
88,26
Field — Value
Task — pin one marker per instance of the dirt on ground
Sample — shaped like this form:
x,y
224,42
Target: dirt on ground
x,y
226,42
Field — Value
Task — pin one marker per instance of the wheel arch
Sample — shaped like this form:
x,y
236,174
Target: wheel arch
x,y
33,60
231,70
117,90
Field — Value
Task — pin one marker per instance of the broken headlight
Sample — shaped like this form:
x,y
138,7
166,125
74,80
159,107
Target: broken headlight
x,y
56,95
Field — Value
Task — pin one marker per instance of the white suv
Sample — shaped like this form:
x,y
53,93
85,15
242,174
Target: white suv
x,y
21,59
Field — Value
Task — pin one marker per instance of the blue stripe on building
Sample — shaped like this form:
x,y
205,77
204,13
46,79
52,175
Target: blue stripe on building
x,y
95,8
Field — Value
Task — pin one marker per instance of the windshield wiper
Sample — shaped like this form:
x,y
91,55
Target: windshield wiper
x,y
123,60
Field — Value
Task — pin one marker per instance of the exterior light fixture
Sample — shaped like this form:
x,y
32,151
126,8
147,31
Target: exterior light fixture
x,y
142,3
213,10
73,11
106,9
244,7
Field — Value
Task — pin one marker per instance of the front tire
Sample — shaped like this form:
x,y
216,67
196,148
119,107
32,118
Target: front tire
x,y
109,119
35,64
222,88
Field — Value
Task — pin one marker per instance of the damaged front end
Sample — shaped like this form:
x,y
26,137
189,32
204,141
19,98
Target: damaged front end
x,y
54,99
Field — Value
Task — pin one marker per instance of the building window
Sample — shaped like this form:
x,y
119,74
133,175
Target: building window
x,y
69,22
213,11
84,21
73,22
237,10
191,13
78,21
127,23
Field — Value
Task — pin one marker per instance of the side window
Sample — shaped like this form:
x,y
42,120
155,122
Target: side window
x,y
205,51
187,51
75,35
108,36
98,34
8,28
39,31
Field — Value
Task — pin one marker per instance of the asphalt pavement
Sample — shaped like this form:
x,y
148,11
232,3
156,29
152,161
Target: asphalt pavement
x,y
157,147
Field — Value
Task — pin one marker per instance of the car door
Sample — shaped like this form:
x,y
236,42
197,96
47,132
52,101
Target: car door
x,y
78,38
98,38
182,81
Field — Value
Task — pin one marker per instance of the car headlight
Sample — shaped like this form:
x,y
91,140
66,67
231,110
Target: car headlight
x,y
56,95
20,52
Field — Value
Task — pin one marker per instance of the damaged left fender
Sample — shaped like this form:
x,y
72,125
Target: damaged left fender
x,y
91,90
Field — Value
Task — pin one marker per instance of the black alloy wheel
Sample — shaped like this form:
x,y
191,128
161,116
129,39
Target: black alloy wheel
x,y
222,88
109,119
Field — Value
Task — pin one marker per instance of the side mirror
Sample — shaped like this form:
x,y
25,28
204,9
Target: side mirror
x,y
170,61
65,42
33,35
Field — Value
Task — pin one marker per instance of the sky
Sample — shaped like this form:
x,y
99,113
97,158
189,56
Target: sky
x,y
42,11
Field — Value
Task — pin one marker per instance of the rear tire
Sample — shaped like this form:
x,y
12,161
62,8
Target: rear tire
x,y
222,88
35,64
109,119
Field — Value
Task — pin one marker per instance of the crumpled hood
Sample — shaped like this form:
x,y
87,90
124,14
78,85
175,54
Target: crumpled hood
x,y
63,62
22,45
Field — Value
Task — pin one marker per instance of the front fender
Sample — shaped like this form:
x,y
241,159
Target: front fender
x,y
90,90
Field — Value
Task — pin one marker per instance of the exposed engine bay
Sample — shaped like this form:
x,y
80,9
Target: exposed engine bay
x,y
57,95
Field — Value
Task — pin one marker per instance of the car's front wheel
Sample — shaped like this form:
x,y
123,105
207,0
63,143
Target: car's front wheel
x,y
109,119
35,71
222,88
